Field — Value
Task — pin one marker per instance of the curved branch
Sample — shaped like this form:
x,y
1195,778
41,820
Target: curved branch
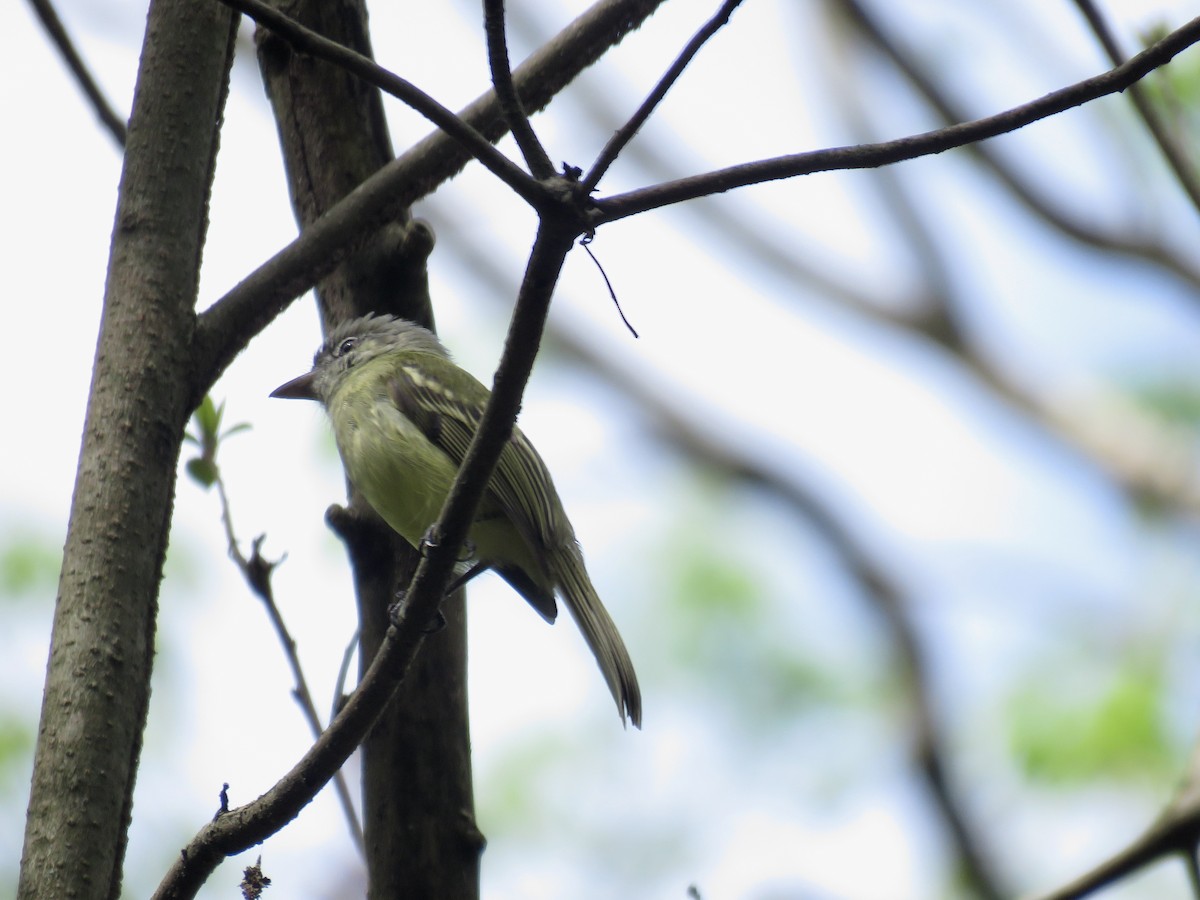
x,y
869,156
58,34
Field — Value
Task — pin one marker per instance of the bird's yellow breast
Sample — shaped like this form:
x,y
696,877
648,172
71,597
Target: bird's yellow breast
x,y
401,474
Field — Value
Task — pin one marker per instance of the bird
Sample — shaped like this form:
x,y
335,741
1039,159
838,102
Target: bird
x,y
403,415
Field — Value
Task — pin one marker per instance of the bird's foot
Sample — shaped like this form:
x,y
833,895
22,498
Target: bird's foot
x,y
431,540
395,612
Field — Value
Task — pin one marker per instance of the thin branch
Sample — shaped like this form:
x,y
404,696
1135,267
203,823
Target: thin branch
x,y
506,92
308,41
627,131
870,156
58,34
1176,159
233,321
257,572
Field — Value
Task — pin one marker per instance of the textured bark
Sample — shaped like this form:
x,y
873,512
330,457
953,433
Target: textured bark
x,y
98,679
418,805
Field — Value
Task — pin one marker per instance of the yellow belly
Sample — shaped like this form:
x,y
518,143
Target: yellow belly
x,y
402,475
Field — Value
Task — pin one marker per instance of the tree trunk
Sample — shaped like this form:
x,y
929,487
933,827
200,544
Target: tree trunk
x,y
98,680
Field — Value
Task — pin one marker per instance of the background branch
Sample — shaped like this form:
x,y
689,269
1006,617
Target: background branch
x,y
113,123
739,457
1178,162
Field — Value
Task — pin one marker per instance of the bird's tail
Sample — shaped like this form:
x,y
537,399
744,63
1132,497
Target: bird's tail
x,y
599,631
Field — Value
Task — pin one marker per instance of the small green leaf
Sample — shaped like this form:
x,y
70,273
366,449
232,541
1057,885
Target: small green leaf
x,y
241,426
203,471
208,418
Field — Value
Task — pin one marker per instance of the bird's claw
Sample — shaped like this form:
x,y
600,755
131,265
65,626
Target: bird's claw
x,y
431,540
438,623
396,607
395,612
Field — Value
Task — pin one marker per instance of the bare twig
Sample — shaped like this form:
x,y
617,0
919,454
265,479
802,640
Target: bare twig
x,y
58,34
871,156
506,92
1178,162
257,572
343,675
625,134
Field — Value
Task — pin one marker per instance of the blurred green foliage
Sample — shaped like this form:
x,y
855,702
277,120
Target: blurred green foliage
x,y
725,615
1176,401
1067,734
29,563
16,750
1174,90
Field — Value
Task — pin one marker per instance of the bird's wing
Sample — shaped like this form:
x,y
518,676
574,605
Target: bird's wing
x,y
448,415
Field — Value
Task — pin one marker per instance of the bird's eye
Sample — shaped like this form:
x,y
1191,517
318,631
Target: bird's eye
x,y
346,346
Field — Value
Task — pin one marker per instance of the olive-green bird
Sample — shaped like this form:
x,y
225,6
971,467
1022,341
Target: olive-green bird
x,y
403,416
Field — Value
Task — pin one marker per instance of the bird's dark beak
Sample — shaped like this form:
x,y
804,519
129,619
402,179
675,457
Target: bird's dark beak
x,y
297,389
